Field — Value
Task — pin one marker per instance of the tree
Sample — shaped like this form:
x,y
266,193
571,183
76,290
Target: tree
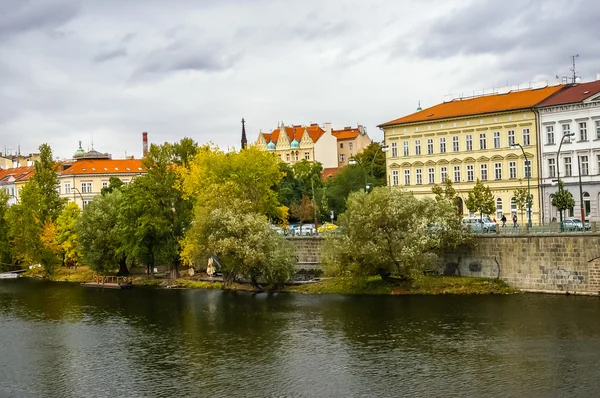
x,y
288,189
337,188
390,232
445,192
25,227
49,254
66,233
522,199
46,179
481,200
113,184
304,211
563,199
5,257
246,246
98,237
308,175
373,156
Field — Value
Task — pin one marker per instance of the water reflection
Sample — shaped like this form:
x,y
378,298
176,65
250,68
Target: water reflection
x,y
65,340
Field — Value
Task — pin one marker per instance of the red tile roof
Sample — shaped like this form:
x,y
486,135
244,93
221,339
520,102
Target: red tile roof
x,y
23,173
346,133
295,133
573,93
479,105
330,172
104,166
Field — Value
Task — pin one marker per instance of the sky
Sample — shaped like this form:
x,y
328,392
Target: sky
x,y
102,72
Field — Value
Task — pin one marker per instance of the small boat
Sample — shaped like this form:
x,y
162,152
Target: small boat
x,y
8,275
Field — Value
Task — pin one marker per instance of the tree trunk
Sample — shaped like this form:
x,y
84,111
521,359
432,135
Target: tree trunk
x,y
123,266
385,275
255,283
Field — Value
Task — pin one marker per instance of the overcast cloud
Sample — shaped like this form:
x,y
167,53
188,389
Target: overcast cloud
x,y
107,70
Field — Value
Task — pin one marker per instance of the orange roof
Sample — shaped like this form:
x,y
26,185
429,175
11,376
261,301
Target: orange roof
x,y
295,133
23,173
574,93
480,105
346,133
105,166
329,172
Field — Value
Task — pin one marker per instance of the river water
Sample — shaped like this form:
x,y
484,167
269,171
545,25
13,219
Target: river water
x,y
63,340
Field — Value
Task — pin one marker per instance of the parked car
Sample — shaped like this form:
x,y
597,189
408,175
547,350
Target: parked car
x,y
327,227
294,229
587,225
572,224
308,229
278,229
479,224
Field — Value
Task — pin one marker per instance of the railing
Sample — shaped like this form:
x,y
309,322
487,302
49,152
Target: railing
x,y
117,280
551,228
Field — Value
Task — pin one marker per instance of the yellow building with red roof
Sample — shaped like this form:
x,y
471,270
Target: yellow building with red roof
x,y
467,139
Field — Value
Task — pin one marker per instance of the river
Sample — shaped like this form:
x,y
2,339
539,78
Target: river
x,y
63,340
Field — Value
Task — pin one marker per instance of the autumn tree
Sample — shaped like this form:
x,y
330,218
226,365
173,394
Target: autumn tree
x,y
481,199
66,233
304,211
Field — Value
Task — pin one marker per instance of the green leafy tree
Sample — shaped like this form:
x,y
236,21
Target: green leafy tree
x,y
390,232
337,188
481,199
288,189
372,159
114,183
184,151
66,233
98,236
522,200
25,227
563,199
245,245
445,191
46,179
308,174
5,256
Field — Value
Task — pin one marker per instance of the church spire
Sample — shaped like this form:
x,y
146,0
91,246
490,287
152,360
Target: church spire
x,y
244,140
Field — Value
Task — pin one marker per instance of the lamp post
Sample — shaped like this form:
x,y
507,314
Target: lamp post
x,y
528,172
581,194
354,160
558,173
80,195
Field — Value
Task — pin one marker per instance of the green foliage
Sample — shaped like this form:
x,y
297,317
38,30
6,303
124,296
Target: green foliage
x,y
445,192
389,231
337,188
97,235
245,244
66,231
184,151
288,190
481,199
5,257
563,199
46,179
308,174
522,199
24,226
114,183
373,161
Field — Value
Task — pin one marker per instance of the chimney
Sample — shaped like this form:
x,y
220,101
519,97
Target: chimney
x,y
144,143
327,128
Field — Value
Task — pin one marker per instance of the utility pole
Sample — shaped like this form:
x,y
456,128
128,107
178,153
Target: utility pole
x,y
573,68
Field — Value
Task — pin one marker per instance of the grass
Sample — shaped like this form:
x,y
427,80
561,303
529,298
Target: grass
x,y
63,274
428,285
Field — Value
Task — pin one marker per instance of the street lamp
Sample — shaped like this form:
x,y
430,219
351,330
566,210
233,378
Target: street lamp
x,y
558,172
354,160
528,172
80,195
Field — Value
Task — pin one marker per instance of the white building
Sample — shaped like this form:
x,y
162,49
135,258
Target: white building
x,y
575,109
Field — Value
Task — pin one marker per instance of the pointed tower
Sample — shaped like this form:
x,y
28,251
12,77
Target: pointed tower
x,y
419,107
244,140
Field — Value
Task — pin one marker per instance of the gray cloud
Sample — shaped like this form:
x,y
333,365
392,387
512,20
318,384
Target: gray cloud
x,y
111,54
20,16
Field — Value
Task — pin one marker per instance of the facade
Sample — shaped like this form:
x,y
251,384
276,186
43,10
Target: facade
x,y
350,141
466,140
84,179
18,160
576,109
12,181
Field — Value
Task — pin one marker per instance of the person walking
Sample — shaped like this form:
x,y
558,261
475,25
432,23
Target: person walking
x,y
514,221
503,219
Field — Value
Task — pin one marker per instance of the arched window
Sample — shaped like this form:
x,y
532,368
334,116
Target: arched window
x,y
587,204
513,206
499,211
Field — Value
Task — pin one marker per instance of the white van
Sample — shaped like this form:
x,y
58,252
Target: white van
x,y
479,224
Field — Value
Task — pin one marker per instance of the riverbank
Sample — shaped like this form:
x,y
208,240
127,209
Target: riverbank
x,y
427,285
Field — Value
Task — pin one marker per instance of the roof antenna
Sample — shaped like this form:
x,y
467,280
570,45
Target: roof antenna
x,y
574,78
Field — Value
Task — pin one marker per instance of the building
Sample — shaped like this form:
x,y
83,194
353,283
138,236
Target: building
x,y
331,148
12,181
350,141
575,109
8,161
469,139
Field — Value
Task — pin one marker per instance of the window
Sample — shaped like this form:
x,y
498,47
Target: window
x,y
350,145
296,156
442,145
469,142
550,135
498,171
496,139
456,173
566,128
584,165
483,174
568,169
287,157
512,170
307,155
443,174
419,175
67,188
598,162
598,129
394,149
417,147
431,173
499,208
430,146
405,145
407,177
527,168
85,203
551,168
470,173
513,206
583,131
482,141
341,145
394,177
511,137
455,147
104,184
587,204
526,137
86,187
